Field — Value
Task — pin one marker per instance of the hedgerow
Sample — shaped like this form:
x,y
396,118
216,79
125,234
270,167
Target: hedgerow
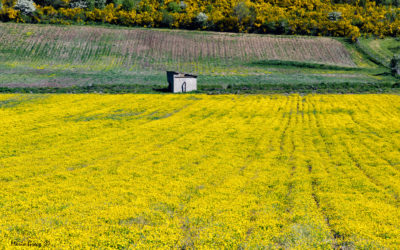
x,y
304,17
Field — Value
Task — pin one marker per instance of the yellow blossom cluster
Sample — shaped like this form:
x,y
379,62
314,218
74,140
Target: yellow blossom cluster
x,y
305,17
200,171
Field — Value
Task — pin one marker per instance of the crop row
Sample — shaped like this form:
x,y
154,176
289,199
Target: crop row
x,y
185,171
145,50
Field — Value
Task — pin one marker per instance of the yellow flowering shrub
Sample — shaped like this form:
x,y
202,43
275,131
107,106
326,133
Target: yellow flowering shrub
x,y
9,14
309,17
107,15
75,14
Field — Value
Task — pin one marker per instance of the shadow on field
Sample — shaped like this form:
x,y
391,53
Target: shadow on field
x,y
281,63
161,90
383,74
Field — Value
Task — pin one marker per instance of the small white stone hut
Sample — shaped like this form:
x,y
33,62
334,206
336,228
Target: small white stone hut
x,y
180,82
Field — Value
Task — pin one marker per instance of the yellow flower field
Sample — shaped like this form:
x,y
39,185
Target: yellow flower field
x,y
185,171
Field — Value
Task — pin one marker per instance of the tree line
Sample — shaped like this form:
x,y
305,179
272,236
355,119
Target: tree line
x,y
345,18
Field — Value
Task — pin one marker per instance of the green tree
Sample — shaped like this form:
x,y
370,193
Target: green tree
x,y
128,5
167,19
245,14
55,3
174,7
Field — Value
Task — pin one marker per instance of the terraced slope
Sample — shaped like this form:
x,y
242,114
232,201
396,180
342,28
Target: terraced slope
x,y
48,56
158,50
228,171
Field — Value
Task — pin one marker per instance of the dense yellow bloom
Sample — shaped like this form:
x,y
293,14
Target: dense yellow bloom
x,y
301,17
229,171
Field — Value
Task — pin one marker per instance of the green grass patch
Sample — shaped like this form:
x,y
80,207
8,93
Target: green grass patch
x,y
380,51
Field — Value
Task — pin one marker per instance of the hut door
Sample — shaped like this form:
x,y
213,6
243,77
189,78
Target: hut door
x,y
184,87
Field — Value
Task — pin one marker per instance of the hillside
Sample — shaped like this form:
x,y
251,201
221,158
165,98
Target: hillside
x,y
380,50
160,49
38,56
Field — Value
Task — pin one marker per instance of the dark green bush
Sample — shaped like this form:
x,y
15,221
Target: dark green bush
x,y
55,3
167,19
395,65
246,15
128,5
279,27
115,2
241,11
98,4
174,7
228,24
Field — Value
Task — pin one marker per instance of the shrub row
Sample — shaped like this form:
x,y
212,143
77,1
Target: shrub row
x,y
218,89
316,17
